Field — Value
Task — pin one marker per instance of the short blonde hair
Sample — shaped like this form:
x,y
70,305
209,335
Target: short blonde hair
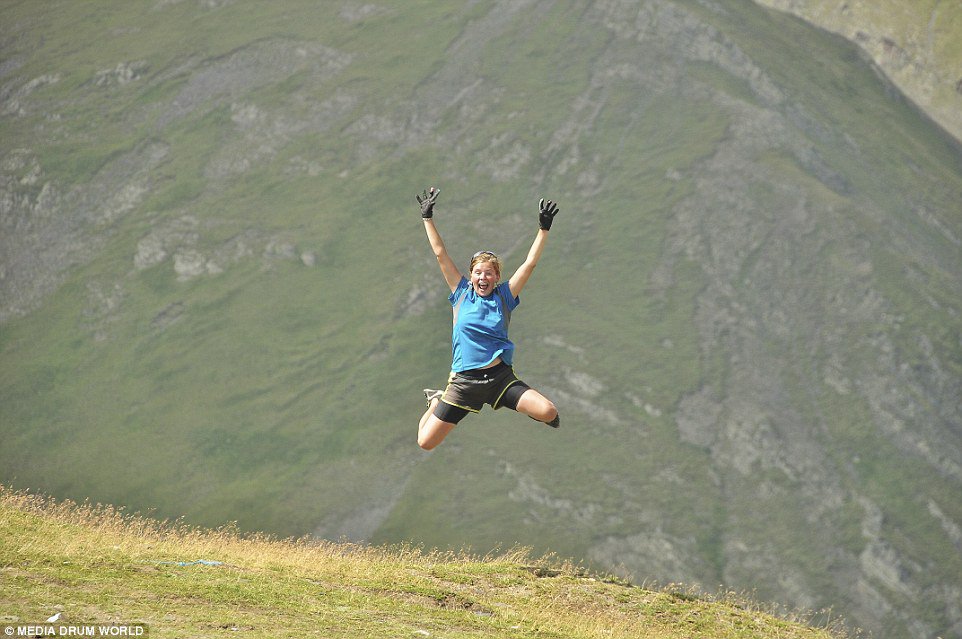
x,y
486,256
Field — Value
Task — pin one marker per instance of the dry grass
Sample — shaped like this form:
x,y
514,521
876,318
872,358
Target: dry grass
x,y
95,564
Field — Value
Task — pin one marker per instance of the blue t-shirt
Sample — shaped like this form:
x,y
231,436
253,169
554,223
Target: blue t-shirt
x,y
480,332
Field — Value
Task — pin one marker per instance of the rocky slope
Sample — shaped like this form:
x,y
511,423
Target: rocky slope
x,y
916,45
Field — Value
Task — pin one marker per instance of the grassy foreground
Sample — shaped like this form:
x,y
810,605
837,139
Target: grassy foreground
x,y
94,564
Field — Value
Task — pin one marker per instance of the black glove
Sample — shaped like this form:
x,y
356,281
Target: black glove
x,y
548,210
426,200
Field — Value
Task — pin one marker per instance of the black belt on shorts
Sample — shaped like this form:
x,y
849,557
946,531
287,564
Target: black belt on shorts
x,y
482,373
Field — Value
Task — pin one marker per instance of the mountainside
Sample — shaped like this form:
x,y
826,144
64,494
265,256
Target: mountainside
x,y
918,44
217,300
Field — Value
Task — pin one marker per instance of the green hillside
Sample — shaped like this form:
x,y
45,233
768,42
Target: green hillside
x,y
93,566
217,300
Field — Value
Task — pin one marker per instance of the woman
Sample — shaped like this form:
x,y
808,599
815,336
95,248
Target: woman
x,y
481,370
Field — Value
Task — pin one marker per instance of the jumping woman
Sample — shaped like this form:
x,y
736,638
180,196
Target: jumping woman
x,y
481,371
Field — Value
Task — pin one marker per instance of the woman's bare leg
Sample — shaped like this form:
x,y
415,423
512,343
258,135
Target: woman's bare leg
x,y
431,430
537,406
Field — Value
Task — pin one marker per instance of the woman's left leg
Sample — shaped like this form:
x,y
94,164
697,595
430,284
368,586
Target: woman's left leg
x,y
538,407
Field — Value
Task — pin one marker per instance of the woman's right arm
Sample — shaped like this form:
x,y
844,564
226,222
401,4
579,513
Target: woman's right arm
x,y
448,268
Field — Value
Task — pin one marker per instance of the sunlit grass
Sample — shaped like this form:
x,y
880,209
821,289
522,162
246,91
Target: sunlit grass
x,y
96,564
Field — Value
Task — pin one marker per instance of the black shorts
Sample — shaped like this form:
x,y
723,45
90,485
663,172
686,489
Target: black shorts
x,y
468,392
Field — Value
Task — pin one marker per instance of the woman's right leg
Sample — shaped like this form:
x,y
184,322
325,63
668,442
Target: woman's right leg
x,y
432,430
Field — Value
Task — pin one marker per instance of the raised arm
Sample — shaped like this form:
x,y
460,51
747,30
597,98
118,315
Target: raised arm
x,y
548,210
448,268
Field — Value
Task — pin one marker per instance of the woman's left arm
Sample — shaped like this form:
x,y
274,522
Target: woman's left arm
x,y
548,210
520,277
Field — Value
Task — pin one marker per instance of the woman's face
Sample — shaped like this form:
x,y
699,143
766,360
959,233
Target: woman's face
x,y
484,277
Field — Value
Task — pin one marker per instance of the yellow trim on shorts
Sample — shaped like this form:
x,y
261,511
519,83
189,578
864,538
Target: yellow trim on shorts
x,y
470,410
496,403
467,408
